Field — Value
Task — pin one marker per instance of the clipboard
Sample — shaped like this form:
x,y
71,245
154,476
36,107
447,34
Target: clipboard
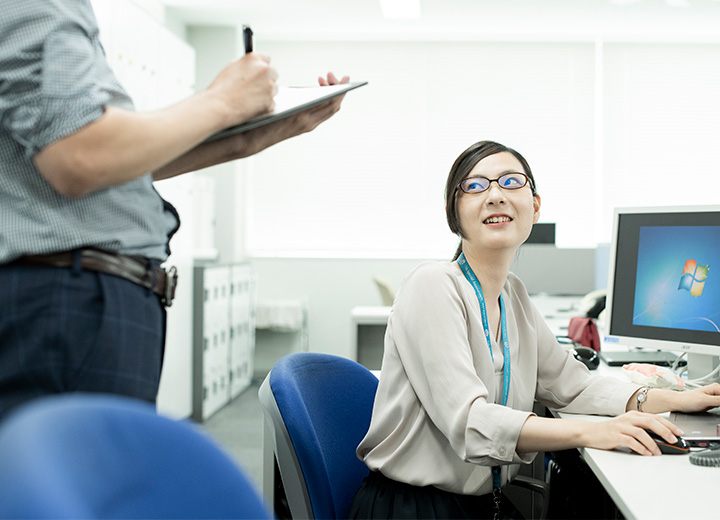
x,y
289,101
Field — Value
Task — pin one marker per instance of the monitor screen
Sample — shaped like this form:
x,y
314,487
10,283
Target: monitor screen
x,y
664,280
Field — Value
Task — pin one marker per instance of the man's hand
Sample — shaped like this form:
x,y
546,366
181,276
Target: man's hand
x,y
253,141
256,140
245,88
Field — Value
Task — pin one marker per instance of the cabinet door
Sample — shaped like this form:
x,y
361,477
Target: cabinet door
x,y
242,323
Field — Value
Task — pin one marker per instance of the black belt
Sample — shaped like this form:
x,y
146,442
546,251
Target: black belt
x,y
135,269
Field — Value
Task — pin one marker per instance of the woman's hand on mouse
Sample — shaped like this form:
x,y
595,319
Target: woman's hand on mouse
x,y
628,431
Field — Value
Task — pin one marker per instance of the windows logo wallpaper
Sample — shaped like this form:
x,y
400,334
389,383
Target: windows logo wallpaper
x,y
678,278
693,277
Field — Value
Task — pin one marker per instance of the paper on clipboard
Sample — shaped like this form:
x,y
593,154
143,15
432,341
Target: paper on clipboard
x,y
289,101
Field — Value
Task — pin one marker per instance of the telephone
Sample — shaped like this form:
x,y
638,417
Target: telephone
x,y
593,304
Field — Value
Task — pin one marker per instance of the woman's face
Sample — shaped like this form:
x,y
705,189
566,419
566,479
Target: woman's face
x,y
497,218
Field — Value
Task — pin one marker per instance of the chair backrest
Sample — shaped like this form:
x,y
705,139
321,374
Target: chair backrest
x,y
98,456
318,408
387,294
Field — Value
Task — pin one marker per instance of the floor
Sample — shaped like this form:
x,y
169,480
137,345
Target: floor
x,y
238,428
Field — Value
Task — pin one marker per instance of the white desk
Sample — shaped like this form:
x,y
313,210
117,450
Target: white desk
x,y
653,488
664,487
557,310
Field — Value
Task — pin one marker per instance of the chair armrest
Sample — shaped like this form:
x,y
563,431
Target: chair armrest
x,y
536,486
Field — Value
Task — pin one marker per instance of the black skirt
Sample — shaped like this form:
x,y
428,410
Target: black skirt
x,y
380,497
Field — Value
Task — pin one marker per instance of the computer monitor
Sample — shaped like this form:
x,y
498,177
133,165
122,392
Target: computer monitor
x,y
664,282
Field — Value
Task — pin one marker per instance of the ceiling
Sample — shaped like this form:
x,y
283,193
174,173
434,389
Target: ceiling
x,y
663,20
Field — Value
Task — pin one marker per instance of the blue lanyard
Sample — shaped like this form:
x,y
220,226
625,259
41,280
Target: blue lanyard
x,y
470,275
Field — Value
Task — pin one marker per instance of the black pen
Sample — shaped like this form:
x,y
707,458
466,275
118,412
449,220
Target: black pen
x,y
248,38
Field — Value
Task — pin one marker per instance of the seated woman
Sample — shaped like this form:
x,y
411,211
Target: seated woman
x,y
466,356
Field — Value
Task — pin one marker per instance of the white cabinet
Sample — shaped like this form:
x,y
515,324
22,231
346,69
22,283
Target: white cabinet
x,y
242,327
223,332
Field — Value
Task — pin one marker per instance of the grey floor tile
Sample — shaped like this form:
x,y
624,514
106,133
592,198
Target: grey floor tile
x,y
238,428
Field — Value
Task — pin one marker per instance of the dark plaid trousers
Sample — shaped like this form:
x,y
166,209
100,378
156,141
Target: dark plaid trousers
x,y
69,330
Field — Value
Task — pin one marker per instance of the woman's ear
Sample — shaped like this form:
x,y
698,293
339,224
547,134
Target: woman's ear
x,y
536,208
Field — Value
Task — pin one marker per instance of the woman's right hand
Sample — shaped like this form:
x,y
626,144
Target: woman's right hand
x,y
245,88
628,431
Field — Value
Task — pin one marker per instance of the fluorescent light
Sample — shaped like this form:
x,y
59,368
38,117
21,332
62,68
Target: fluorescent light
x,y
400,9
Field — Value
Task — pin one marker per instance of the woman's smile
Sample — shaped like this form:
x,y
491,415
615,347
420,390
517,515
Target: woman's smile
x,y
497,219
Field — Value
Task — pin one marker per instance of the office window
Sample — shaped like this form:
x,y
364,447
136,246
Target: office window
x,y
370,182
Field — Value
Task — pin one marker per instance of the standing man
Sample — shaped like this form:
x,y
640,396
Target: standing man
x,y
82,229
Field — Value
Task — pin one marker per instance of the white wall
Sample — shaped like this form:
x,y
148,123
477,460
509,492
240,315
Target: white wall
x,y
216,47
371,180
333,286
602,125
662,126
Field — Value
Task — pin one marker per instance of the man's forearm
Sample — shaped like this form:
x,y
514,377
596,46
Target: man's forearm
x,y
247,143
122,145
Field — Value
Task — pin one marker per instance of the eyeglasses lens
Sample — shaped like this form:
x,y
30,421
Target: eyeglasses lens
x,y
508,181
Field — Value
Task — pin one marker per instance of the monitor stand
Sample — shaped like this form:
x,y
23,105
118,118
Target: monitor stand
x,y
700,365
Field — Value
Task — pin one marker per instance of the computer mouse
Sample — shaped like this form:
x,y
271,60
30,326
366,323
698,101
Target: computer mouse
x,y
680,447
587,356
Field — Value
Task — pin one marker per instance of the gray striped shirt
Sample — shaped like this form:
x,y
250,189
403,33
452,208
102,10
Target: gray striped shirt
x,y
55,79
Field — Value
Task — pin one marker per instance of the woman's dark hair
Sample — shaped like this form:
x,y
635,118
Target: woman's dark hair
x,y
462,167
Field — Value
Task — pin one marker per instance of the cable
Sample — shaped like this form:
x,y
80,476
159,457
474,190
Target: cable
x,y
708,457
676,363
704,380
697,382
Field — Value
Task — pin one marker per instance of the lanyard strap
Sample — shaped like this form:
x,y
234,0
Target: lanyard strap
x,y
470,276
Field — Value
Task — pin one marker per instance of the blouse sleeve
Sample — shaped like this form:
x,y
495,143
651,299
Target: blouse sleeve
x,y
453,380
565,384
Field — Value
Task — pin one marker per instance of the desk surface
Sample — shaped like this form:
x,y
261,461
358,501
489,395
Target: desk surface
x,y
370,315
656,488
661,487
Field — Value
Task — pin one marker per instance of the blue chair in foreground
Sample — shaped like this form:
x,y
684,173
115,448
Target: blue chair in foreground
x,y
96,456
318,408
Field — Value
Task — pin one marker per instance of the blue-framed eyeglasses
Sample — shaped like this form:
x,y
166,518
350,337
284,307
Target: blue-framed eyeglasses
x,y
507,181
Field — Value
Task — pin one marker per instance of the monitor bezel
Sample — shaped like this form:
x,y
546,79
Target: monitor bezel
x,y
624,339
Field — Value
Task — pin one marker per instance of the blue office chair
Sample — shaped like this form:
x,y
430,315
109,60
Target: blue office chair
x,y
318,408
97,456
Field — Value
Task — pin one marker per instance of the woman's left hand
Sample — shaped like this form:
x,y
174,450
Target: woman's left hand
x,y
698,400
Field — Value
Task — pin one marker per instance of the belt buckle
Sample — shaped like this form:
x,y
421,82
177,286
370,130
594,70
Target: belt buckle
x,y
170,284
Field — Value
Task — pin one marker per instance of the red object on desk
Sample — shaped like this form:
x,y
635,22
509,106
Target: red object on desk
x,y
585,332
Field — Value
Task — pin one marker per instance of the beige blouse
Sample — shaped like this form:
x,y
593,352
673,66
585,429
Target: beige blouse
x,y
435,420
